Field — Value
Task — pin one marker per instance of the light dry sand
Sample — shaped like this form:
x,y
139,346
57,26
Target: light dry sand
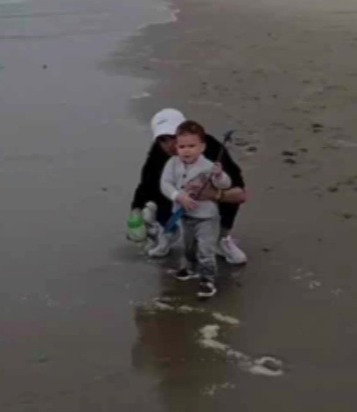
x,y
284,75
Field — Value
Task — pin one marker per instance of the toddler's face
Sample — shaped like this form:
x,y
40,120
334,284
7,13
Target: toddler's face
x,y
189,147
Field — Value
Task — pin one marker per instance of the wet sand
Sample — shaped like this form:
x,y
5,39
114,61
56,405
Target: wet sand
x,y
69,151
87,324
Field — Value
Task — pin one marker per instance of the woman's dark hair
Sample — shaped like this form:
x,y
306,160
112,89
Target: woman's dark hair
x,y
191,127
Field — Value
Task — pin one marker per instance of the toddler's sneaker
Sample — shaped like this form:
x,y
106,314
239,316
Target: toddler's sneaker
x,y
206,290
230,251
185,274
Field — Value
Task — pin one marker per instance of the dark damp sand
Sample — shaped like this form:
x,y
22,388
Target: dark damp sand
x,y
69,156
77,329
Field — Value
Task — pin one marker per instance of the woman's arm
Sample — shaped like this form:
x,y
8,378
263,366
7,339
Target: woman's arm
x,y
234,195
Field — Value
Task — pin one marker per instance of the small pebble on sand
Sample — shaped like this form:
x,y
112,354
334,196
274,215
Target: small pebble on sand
x,y
289,153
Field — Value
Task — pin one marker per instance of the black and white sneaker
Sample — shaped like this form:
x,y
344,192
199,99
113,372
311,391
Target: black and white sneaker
x,y
184,274
206,290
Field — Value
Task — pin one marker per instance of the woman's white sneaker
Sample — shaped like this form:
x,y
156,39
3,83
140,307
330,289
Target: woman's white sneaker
x,y
162,247
230,251
164,242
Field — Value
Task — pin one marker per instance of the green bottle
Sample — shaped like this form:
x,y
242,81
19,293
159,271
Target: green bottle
x,y
136,227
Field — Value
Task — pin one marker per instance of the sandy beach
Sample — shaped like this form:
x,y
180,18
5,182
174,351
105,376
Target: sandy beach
x,y
284,75
87,323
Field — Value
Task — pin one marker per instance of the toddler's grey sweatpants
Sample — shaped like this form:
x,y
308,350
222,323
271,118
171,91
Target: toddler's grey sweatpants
x,y
200,241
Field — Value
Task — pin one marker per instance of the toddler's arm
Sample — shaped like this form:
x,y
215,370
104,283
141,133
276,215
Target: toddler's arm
x,y
169,189
167,181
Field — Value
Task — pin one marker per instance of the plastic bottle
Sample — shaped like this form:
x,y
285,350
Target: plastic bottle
x,y
136,227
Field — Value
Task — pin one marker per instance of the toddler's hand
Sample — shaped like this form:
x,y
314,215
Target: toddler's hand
x,y
217,170
187,202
